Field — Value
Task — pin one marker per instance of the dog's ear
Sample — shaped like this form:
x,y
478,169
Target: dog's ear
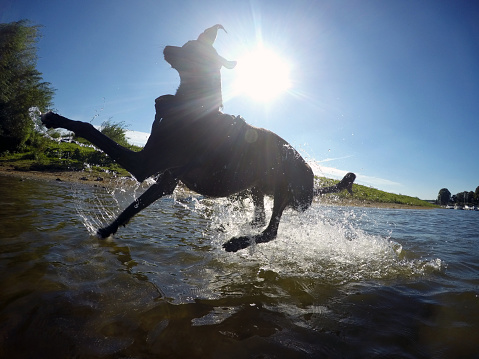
x,y
209,35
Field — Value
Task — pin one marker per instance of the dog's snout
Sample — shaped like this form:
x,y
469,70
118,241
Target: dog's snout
x,y
167,51
171,54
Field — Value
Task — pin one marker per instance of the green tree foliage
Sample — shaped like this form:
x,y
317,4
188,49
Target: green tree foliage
x,y
444,196
460,197
466,197
470,197
115,131
21,85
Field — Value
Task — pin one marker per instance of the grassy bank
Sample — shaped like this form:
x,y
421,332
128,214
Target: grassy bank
x,y
56,157
370,196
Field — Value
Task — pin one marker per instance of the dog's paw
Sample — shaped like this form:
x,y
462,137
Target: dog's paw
x,y
237,243
51,120
104,233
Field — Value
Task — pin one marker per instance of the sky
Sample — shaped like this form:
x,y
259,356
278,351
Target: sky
x,y
386,89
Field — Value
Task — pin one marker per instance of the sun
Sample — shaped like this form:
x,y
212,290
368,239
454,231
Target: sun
x,y
261,75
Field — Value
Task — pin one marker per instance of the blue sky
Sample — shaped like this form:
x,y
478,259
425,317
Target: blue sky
x,y
386,89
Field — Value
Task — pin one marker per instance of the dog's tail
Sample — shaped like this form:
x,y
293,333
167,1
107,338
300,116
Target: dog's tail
x,y
345,184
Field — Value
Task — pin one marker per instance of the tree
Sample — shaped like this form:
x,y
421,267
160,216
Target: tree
x,y
461,197
470,197
116,131
21,85
476,195
444,196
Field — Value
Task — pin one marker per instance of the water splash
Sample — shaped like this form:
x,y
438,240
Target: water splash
x,y
322,243
106,203
62,135
35,116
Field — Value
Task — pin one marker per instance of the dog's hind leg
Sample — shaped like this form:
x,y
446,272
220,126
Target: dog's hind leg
x,y
270,233
129,160
259,219
345,184
165,185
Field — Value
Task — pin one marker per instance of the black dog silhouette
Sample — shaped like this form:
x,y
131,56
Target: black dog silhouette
x,y
212,153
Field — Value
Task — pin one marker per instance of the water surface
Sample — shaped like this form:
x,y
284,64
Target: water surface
x,y
337,282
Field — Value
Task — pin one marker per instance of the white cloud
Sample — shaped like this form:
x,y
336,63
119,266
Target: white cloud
x,y
136,137
334,159
378,182
324,171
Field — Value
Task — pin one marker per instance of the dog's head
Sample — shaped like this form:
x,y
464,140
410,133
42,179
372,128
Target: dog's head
x,y
198,57
199,67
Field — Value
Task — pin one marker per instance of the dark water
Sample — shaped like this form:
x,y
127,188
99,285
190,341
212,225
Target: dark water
x,y
337,283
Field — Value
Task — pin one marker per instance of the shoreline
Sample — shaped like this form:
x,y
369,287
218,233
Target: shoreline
x,y
105,179
366,204
83,177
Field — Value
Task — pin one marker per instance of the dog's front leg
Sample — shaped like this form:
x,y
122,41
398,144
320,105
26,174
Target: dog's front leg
x,y
128,159
165,185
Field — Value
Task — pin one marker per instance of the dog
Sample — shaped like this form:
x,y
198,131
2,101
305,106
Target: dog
x,y
212,153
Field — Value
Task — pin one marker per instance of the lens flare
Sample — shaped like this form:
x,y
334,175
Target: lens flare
x,y
262,75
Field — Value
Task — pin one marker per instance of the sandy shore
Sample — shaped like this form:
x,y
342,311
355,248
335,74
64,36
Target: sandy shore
x,y
91,178
104,179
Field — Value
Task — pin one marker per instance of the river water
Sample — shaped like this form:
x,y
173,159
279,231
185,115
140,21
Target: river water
x,y
338,282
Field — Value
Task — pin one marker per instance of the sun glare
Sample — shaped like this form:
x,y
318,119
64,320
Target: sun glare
x,y
262,75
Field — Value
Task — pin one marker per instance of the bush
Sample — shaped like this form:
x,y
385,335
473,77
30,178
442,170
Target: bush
x,y
21,85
